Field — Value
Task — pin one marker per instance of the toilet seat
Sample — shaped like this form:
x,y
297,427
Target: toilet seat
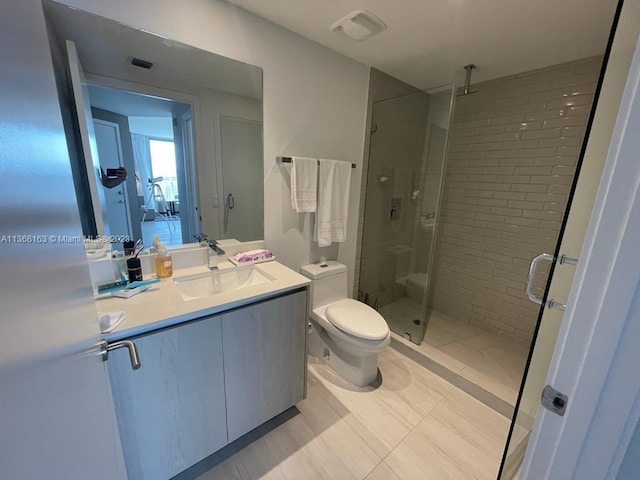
x,y
357,319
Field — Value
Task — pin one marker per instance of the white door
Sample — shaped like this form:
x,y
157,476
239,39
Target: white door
x,y
595,362
88,137
110,156
242,179
56,412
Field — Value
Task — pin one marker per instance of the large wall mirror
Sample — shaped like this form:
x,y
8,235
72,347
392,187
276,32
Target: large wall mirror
x,y
185,124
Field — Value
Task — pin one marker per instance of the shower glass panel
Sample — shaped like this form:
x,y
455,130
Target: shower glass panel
x,y
405,172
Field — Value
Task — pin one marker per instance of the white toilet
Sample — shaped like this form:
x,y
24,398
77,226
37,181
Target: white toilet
x,y
348,333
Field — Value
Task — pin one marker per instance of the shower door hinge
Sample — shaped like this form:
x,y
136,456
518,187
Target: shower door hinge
x,y
553,400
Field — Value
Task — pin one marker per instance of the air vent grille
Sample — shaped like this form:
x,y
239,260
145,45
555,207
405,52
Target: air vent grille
x,y
138,62
359,25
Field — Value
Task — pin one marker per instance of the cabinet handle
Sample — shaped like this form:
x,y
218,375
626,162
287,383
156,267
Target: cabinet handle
x,y
106,347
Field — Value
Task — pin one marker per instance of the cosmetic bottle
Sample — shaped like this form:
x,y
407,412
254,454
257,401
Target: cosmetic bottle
x,y
135,269
164,264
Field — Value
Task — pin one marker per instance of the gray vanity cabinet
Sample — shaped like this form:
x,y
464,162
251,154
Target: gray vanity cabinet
x,y
205,383
171,412
264,360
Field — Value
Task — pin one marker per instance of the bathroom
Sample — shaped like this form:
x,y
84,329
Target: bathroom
x,y
300,105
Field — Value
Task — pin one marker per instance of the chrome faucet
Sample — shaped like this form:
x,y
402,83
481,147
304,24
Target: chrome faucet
x,y
214,251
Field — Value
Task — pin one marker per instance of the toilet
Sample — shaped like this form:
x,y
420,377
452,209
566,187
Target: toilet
x,y
347,333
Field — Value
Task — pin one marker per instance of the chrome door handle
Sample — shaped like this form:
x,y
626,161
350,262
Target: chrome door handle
x,y
532,273
106,347
231,201
551,303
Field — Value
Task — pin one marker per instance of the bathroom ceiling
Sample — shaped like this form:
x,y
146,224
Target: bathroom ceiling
x,y
428,41
106,47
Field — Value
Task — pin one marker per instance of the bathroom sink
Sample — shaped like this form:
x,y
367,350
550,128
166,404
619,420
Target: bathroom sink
x,y
219,281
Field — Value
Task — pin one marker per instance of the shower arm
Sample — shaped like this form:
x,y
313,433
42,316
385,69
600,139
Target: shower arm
x,y
467,79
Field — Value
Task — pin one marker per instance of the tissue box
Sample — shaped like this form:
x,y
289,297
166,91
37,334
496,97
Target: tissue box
x,y
252,256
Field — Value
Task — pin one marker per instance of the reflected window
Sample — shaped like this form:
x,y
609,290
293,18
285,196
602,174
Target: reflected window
x,y
163,164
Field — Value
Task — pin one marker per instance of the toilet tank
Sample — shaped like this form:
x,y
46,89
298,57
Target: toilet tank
x,y
329,282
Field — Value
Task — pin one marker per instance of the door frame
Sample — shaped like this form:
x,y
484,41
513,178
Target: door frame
x,y
595,357
192,136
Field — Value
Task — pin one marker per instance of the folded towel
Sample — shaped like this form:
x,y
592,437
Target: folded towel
x,y
304,184
109,321
333,202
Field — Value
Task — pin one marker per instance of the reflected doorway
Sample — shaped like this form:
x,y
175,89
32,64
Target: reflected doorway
x,y
145,135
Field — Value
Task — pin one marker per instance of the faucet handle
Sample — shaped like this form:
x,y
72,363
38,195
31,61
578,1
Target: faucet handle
x,y
201,237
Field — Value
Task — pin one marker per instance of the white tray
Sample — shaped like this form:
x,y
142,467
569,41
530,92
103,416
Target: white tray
x,y
232,260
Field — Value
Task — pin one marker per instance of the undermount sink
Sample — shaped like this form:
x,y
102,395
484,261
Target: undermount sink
x,y
219,281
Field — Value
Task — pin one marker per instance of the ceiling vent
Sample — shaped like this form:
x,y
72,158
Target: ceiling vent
x,y
138,62
359,25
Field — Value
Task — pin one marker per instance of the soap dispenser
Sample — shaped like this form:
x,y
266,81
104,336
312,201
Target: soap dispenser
x,y
155,242
164,264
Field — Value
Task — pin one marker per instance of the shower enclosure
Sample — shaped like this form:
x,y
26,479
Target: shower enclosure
x,y
405,172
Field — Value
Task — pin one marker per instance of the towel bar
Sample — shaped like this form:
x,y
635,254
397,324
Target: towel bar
x,y
288,160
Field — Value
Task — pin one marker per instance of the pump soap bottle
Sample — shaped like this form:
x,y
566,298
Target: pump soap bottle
x,y
164,264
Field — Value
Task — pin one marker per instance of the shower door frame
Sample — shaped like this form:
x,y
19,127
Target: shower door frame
x,y
533,444
435,90
595,353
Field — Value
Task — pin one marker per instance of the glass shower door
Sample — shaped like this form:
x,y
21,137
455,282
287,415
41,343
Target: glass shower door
x,y
405,172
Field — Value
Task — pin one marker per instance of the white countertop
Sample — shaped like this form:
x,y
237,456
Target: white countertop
x,y
162,305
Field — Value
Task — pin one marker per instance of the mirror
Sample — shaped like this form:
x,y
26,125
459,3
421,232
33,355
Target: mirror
x,y
185,124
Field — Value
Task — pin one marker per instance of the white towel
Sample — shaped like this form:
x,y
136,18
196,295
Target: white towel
x,y
109,321
304,184
333,202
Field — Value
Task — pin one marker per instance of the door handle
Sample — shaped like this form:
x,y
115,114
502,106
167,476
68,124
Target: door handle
x,y
551,303
231,201
106,347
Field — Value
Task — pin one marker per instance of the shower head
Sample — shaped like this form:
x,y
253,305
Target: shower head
x,y
467,80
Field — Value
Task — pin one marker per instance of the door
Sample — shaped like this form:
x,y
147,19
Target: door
x,y
88,139
57,420
264,360
187,172
407,163
595,358
110,156
171,411
535,438
242,179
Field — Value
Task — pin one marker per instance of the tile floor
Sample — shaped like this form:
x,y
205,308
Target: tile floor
x,y
414,425
493,362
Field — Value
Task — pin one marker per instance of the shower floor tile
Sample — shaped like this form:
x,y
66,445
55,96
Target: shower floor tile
x,y
409,424
493,362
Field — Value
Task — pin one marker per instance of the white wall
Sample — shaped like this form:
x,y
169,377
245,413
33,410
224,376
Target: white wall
x,y
158,127
314,102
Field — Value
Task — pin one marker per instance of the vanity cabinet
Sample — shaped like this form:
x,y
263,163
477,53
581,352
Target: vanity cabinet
x,y
264,361
205,383
171,412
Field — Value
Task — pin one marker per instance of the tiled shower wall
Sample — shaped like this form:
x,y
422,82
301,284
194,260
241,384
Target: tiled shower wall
x,y
512,156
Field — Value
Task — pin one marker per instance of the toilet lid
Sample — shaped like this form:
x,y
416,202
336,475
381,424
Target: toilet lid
x,y
357,319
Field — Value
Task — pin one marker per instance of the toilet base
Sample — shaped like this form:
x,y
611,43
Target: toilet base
x,y
359,368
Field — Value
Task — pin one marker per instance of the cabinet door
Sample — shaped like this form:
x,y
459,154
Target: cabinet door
x,y
264,360
171,412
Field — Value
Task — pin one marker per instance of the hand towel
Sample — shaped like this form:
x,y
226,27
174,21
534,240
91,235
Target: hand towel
x,y
304,184
333,202
109,321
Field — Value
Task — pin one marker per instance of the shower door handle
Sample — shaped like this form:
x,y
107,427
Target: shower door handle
x,y
551,303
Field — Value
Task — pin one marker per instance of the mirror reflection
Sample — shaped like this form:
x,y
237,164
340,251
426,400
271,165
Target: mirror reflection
x,y
184,125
